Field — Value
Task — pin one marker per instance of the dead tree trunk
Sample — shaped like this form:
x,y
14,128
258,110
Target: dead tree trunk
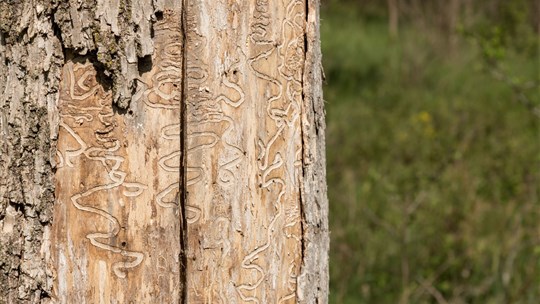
x,y
162,151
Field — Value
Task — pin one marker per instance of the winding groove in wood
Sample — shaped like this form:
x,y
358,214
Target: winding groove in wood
x,y
222,133
244,74
117,217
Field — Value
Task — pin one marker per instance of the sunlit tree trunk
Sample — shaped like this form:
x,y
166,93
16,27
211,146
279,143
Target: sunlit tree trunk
x,y
162,151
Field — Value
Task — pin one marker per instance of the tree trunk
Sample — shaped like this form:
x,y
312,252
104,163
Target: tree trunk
x,y
393,18
160,151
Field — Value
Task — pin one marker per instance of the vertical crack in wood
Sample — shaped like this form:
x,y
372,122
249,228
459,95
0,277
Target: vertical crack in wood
x,y
183,161
303,147
231,131
313,279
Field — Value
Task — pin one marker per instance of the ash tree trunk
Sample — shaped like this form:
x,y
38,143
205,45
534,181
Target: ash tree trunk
x,y
162,151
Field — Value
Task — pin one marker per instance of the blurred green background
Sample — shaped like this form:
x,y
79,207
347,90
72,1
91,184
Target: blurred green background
x,y
433,144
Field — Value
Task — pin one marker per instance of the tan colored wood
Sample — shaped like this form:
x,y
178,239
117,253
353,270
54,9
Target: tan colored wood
x,y
244,107
117,220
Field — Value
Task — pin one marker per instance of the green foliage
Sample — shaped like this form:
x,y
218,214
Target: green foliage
x,y
433,166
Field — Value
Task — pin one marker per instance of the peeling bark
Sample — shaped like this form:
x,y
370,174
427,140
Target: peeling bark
x,y
155,152
117,32
313,279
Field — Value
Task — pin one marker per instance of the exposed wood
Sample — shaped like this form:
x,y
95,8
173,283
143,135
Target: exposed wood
x,y
244,94
117,224
247,107
139,100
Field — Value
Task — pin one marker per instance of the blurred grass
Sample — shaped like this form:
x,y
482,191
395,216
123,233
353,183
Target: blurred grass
x,y
433,168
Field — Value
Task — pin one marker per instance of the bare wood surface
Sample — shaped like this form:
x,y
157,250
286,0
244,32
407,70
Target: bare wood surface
x,y
255,168
117,220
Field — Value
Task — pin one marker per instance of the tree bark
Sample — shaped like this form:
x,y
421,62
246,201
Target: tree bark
x,y
160,151
30,62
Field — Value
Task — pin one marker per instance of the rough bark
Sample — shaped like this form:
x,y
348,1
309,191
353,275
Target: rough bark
x,y
30,62
313,279
129,102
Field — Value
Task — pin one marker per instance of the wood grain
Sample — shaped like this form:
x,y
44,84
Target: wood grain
x,y
244,105
117,217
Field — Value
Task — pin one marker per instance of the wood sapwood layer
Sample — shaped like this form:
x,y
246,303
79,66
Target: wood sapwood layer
x,y
116,234
244,108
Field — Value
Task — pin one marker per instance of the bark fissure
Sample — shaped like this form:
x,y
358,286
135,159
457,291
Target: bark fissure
x,y
313,280
57,32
